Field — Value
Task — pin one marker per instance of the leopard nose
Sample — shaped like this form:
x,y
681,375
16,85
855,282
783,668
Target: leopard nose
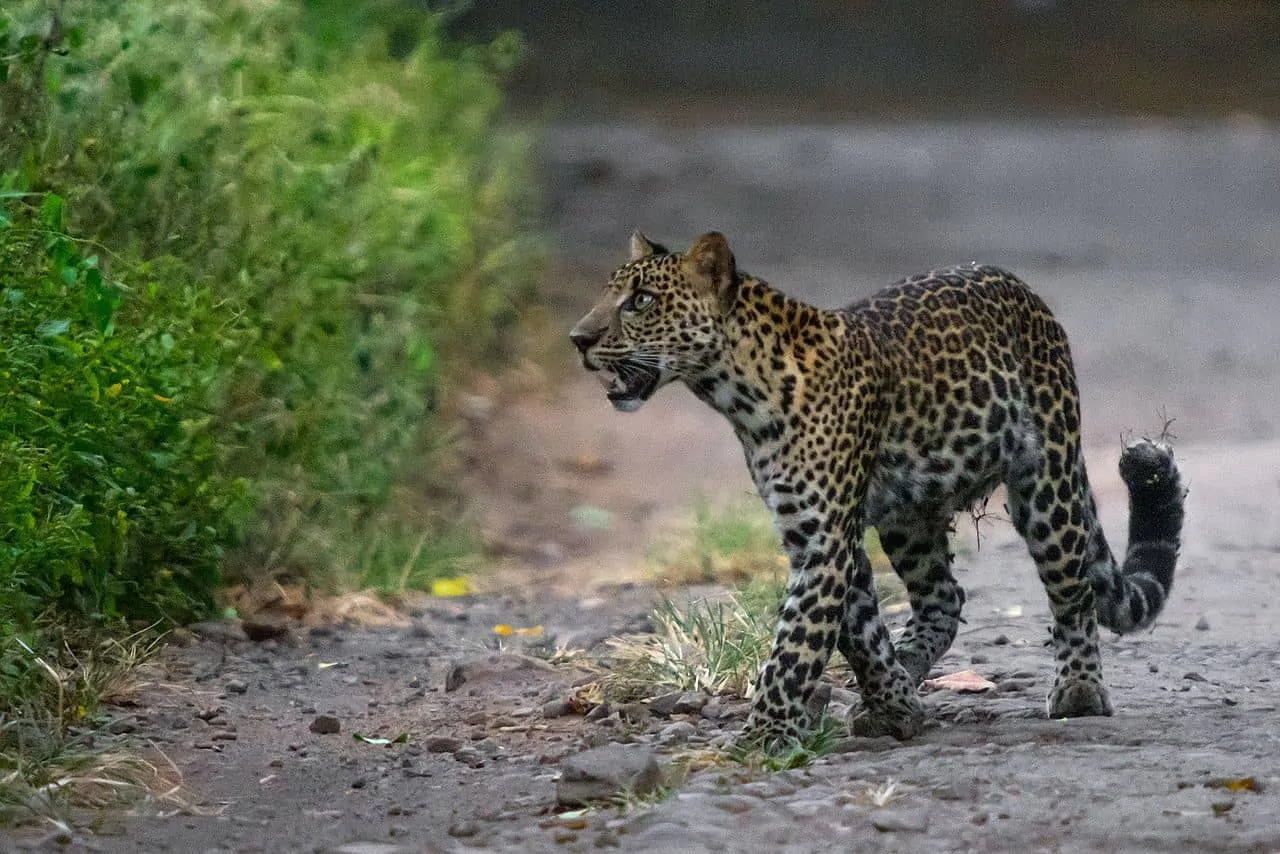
x,y
583,339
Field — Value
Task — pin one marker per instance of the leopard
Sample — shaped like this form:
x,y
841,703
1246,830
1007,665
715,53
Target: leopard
x,y
896,413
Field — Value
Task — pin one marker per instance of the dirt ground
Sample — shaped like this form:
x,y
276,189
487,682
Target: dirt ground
x,y
1153,244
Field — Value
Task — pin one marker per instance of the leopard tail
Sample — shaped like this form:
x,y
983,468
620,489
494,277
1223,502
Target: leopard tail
x,y
1129,597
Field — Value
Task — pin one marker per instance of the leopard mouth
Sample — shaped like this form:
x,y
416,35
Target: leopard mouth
x,y
630,386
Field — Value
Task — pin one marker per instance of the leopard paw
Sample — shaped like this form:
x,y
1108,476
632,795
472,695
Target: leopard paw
x,y
902,719
1079,698
768,735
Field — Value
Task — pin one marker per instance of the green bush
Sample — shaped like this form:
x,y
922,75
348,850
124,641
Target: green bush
x,y
327,181
110,501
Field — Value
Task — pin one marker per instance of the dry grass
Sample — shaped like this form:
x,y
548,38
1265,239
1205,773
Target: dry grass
x,y
54,753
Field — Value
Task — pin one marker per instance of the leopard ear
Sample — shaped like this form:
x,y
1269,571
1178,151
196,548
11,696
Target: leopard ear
x,y
712,267
643,247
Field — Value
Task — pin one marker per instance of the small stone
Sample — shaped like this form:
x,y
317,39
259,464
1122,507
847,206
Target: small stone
x,y
900,821
463,829
557,708
978,659
601,773
123,726
1202,624
690,703
1194,677
325,725
359,783
225,735
442,744
735,804
236,686
1153,667
665,705
470,756
476,718
600,712
1000,640
677,733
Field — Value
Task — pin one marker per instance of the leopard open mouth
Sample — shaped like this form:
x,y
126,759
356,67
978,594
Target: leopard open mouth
x,y
630,386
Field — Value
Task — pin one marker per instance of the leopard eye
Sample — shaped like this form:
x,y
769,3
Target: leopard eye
x,y
638,301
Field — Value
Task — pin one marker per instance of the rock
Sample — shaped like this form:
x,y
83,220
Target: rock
x,y
1202,624
236,686
900,821
123,726
325,725
665,705
463,829
603,772
600,712
442,744
558,708
677,733
690,703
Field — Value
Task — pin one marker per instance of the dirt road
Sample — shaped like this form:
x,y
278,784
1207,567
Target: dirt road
x,y
1155,247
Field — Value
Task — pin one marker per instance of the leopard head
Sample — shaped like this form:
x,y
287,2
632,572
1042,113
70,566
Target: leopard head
x,y
659,318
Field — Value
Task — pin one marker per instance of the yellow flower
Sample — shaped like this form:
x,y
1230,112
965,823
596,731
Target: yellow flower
x,y
162,398
114,389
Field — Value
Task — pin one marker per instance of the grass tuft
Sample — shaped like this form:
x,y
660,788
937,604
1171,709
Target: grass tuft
x,y
55,750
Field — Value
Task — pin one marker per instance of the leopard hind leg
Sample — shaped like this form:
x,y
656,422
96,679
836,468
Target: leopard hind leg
x,y
917,546
890,702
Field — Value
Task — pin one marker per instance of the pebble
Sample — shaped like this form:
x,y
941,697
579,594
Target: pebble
x,y
442,744
325,725
900,821
676,733
1202,624
123,726
236,686
603,772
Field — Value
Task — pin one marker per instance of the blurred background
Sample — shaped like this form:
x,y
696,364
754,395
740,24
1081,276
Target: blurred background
x,y
1121,158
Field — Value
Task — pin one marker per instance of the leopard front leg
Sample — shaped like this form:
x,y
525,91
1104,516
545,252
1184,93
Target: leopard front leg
x,y
890,702
808,629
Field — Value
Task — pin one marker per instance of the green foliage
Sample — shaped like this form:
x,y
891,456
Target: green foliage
x,y
110,502
326,181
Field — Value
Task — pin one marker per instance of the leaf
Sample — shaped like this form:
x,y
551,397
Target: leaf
x,y
502,629
378,742
51,211
450,587
50,328
962,682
